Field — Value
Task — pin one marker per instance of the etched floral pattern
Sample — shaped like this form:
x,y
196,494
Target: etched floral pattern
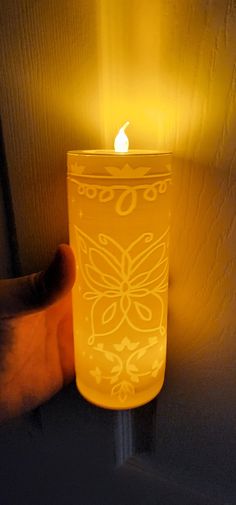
x,y
127,171
126,371
126,195
124,283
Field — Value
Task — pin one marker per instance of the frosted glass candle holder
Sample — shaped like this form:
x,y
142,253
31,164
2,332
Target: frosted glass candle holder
x,y
119,209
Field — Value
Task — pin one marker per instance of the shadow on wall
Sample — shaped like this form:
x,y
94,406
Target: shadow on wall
x,y
196,437
202,295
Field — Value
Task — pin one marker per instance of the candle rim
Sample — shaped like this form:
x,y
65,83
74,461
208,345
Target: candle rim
x,y
111,152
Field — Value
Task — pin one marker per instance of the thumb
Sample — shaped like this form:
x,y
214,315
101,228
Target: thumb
x,y
34,292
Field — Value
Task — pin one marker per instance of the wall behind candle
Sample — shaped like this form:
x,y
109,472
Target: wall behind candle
x,y
49,104
5,264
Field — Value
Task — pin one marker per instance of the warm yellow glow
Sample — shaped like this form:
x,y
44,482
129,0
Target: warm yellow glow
x,y
140,82
121,144
120,294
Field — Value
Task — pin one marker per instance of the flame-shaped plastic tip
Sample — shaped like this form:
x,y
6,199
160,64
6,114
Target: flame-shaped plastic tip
x,y
121,143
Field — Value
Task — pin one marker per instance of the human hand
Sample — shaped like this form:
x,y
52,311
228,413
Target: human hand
x,y
36,337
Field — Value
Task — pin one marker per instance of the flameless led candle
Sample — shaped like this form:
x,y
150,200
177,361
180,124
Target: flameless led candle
x,y
119,230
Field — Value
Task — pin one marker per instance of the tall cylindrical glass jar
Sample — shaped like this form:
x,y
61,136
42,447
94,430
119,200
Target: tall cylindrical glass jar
x,y
119,212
